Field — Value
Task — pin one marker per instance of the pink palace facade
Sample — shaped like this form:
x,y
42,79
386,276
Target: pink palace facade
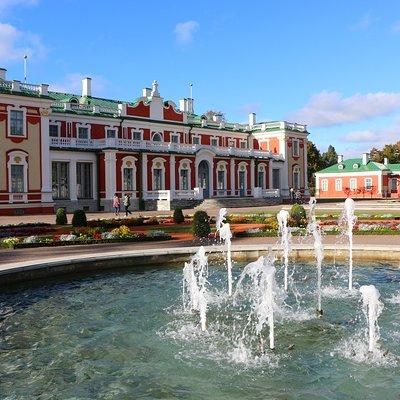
x,y
76,151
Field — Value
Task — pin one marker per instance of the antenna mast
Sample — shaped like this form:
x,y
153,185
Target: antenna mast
x,y
191,90
25,65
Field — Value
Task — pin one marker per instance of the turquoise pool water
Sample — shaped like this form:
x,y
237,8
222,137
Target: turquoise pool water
x,y
124,335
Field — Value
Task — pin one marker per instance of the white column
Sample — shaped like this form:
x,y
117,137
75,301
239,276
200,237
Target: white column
x,y
172,176
232,169
270,175
144,174
110,162
45,161
305,165
72,180
252,165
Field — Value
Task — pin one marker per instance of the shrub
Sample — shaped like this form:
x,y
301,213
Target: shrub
x,y
201,224
10,243
178,216
271,223
298,215
61,217
152,221
79,218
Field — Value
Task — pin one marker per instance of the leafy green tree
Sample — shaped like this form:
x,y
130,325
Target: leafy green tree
x,y
329,157
314,162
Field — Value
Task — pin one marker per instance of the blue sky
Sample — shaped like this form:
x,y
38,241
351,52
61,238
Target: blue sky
x,y
334,65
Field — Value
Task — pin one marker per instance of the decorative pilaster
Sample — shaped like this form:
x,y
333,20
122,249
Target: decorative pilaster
x,y
252,173
72,180
45,153
270,174
232,170
144,174
110,162
172,176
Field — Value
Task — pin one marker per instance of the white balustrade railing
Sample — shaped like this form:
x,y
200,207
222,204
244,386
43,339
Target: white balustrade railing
x,y
157,195
190,194
28,87
271,193
5,84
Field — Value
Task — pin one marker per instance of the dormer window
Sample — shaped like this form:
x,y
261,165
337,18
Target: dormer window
x,y
74,101
340,166
355,166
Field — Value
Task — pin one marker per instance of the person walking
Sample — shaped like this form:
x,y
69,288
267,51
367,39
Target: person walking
x,y
127,204
291,190
116,204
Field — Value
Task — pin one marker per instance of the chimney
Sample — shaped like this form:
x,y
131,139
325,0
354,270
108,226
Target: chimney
x,y
365,158
190,105
385,161
183,105
146,92
340,158
3,72
87,87
252,119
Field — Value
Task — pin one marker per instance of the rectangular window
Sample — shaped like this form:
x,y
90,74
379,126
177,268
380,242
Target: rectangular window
x,y
111,133
174,139
157,173
84,180
196,140
261,179
221,180
324,185
338,185
214,142
353,184
128,179
243,144
17,123
276,178
53,130
393,185
17,178
368,183
295,148
137,136
231,142
83,133
184,179
60,179
296,179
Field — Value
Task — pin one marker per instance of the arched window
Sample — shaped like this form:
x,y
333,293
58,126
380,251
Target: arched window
x,y
17,166
128,171
157,137
74,101
158,174
221,177
261,176
184,175
296,177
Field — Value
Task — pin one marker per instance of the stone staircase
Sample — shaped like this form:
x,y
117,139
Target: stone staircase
x,y
236,202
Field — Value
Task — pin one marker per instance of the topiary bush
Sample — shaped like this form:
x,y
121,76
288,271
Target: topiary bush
x,y
298,215
178,216
61,217
201,224
79,218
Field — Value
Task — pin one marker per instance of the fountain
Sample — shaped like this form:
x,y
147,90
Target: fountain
x,y
224,230
195,274
372,308
349,219
314,228
284,232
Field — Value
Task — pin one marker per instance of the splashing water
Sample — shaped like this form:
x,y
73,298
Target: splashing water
x,y
224,230
349,219
195,274
284,232
372,308
314,229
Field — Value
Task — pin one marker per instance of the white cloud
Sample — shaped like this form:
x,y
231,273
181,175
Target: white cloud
x,y
184,31
331,108
361,136
72,83
14,44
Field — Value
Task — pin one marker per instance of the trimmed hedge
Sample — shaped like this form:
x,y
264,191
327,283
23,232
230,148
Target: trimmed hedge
x,y
115,222
201,224
79,218
178,216
61,217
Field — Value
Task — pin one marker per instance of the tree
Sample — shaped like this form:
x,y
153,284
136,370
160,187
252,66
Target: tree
x,y
329,157
314,162
211,113
390,151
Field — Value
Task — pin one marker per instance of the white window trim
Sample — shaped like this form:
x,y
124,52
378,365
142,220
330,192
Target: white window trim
x,y
338,188
324,185
296,169
262,168
231,142
353,187
196,136
24,130
174,134
58,123
153,167
222,164
124,165
11,161
365,184
189,169
214,138
110,128
140,132
82,125
245,143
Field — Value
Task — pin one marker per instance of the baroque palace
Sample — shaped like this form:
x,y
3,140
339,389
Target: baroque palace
x,y
76,151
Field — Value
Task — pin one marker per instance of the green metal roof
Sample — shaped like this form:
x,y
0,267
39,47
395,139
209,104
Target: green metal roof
x,y
394,167
94,101
354,165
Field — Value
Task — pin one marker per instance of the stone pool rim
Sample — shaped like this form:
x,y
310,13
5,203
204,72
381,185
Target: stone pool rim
x,y
73,264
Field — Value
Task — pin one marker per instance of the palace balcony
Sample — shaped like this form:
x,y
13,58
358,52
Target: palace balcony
x,y
161,147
